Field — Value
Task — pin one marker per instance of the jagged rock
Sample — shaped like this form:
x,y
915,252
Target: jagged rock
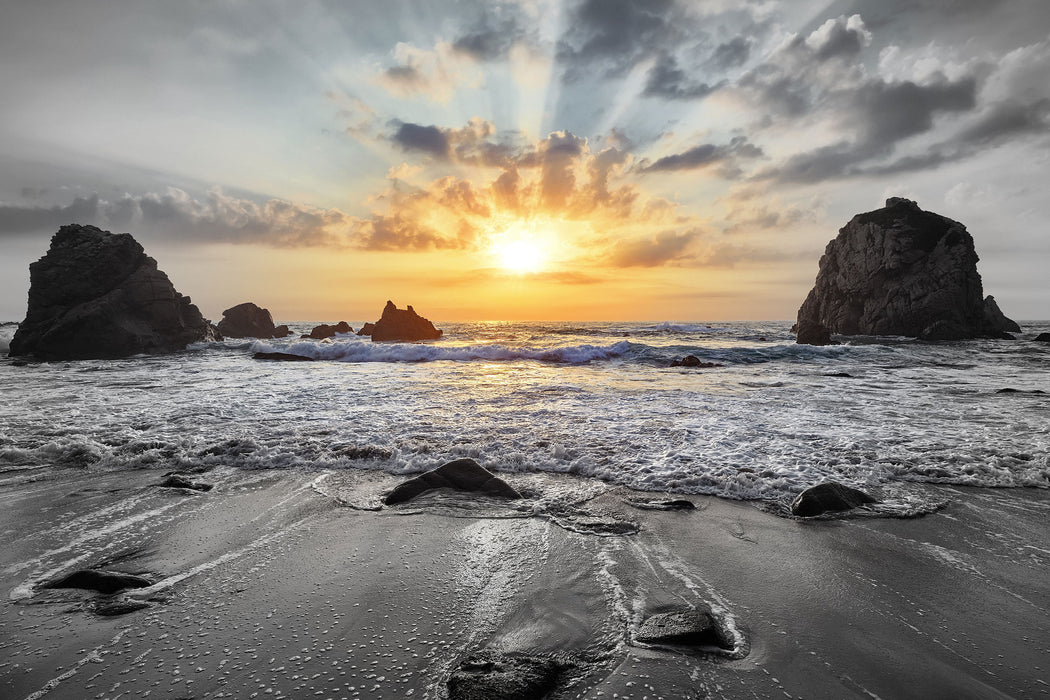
x,y
97,295
688,627
367,329
461,475
101,581
325,331
489,675
995,316
247,321
281,331
812,333
178,481
282,357
405,326
900,270
828,497
694,361
113,608
1043,338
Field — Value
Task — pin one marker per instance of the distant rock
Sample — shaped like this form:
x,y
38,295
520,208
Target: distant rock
x,y
900,270
1043,338
281,331
281,357
248,321
179,481
367,329
101,581
325,331
490,675
694,361
828,497
461,475
97,295
404,326
688,627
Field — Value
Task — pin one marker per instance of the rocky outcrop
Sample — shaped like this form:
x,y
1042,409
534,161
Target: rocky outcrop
x,y
828,497
1043,338
102,581
403,325
900,270
281,331
97,295
460,475
367,329
326,331
249,321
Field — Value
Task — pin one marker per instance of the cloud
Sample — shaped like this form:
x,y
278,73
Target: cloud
x,y
424,139
842,37
663,248
434,73
612,35
706,155
665,79
499,28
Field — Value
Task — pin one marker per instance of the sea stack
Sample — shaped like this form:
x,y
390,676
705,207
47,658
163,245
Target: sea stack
x,y
249,321
97,295
900,270
403,325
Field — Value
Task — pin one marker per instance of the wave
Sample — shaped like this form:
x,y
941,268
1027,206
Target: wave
x,y
367,351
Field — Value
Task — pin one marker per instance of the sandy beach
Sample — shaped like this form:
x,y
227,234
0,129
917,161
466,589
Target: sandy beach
x,y
292,584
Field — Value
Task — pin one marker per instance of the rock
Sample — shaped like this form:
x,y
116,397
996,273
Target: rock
x,y
661,504
97,295
367,329
843,375
689,627
461,475
812,333
829,496
282,356
694,361
325,331
1010,390
113,608
900,270
489,675
178,481
1043,338
404,326
281,331
247,321
101,581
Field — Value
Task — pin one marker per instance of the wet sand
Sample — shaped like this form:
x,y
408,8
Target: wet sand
x,y
290,584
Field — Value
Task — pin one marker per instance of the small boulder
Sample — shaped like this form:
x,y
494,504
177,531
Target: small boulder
x,y
461,475
694,361
828,497
247,321
325,331
281,331
404,326
367,329
1043,338
812,333
282,357
178,481
683,628
661,504
101,581
489,675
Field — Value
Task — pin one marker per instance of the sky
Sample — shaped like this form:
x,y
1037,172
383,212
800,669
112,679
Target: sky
x,y
520,159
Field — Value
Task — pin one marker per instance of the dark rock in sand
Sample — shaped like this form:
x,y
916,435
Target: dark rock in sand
x,y
694,361
178,481
97,295
900,270
493,676
659,504
1043,338
843,375
461,475
812,333
325,331
405,326
828,497
281,331
247,321
113,608
101,581
367,329
282,357
1009,390
683,628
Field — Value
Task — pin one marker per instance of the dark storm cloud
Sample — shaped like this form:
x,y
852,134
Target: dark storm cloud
x,y
425,139
706,155
495,32
20,220
733,53
888,112
667,80
616,34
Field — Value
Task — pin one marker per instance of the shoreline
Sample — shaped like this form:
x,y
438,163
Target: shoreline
x,y
267,584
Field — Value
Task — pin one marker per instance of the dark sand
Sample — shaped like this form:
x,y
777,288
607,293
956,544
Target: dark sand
x,y
278,585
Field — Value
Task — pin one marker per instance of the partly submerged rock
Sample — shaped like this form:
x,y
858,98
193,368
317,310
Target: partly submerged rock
x,y
97,295
281,331
1043,338
367,329
828,497
489,675
900,270
248,321
683,628
461,475
101,581
812,333
661,503
694,361
282,357
403,325
326,331
179,481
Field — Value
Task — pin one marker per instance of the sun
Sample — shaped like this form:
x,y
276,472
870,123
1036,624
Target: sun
x,y
521,256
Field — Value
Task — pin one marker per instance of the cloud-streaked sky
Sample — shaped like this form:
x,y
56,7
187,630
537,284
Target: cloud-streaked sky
x,y
523,159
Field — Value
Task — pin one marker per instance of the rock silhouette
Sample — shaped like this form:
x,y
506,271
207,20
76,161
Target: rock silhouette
x,y
461,475
828,497
403,325
101,581
249,321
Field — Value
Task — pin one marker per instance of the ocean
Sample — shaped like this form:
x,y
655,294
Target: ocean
x,y
597,400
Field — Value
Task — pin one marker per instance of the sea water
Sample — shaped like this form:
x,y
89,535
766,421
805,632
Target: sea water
x,y
599,400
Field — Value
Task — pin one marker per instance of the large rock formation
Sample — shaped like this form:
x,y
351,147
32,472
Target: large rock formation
x,y
97,295
900,270
406,326
249,321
